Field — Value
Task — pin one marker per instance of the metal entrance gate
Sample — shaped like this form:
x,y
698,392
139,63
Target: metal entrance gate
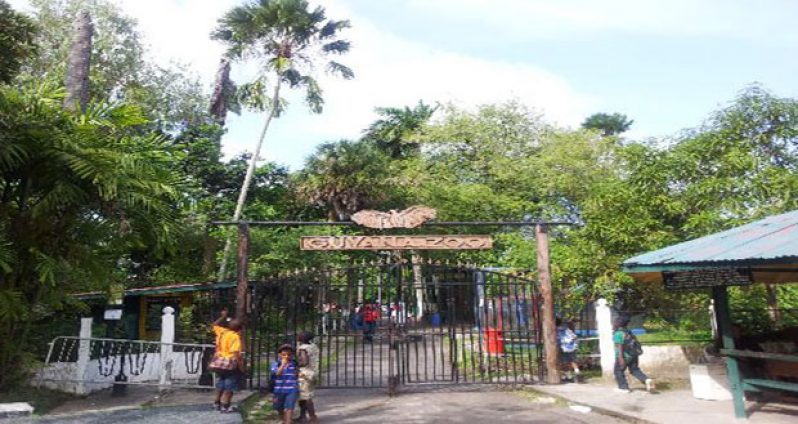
x,y
384,324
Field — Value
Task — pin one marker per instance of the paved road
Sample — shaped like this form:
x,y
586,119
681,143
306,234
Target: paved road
x,y
447,405
196,414
479,406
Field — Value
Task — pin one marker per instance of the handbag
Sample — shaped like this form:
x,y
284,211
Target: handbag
x,y
219,364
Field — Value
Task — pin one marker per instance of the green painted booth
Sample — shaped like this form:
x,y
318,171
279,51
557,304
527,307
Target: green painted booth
x,y
764,251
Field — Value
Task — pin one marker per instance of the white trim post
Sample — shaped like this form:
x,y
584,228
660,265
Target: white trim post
x,y
167,338
84,351
606,347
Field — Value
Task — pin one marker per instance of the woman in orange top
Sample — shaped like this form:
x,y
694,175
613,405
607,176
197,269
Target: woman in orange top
x,y
228,346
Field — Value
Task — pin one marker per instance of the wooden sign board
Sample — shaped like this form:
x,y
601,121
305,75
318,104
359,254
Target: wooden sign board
x,y
707,278
447,242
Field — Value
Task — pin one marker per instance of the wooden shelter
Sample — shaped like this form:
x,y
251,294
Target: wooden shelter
x,y
764,251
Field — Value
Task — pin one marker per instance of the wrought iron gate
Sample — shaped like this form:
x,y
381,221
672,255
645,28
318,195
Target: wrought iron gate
x,y
384,324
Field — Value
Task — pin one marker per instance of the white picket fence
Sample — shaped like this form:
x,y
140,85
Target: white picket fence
x,y
84,364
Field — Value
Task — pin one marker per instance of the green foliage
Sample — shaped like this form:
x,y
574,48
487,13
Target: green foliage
x,y
345,177
17,34
290,39
608,124
398,130
171,98
78,191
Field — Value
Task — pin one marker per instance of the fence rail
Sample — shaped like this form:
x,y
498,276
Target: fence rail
x,y
82,365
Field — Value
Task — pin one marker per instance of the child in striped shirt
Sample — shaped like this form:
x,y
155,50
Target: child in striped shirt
x,y
285,375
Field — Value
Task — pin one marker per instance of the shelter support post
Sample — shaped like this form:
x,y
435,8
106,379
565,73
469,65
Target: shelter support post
x,y
549,329
720,298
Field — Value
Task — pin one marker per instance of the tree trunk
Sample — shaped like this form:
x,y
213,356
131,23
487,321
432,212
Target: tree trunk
x,y
218,109
242,196
77,72
773,305
208,253
243,272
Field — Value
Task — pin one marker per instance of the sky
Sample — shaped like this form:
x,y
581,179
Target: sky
x,y
666,64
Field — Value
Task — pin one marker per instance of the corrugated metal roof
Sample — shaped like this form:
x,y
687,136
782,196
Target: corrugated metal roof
x,y
173,288
773,240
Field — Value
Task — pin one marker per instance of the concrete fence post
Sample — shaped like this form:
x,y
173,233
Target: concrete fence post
x,y
84,352
604,326
167,338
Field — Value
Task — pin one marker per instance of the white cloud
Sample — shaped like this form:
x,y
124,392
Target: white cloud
x,y
179,30
394,72
389,72
553,19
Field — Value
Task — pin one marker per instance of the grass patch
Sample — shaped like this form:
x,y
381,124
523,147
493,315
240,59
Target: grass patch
x,y
42,400
257,409
538,397
676,337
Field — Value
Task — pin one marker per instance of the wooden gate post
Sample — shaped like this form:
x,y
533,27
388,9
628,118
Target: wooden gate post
x,y
243,267
549,328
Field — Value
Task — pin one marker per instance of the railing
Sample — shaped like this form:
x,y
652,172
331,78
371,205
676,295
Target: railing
x,y
82,365
755,384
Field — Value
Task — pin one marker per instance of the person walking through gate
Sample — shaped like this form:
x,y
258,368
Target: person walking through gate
x,y
627,354
308,361
568,345
285,383
370,315
227,362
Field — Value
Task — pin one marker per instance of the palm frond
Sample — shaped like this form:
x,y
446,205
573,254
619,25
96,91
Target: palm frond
x,y
336,68
337,46
313,94
331,28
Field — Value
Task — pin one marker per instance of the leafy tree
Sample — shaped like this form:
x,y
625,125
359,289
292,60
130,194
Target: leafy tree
x,y
117,53
345,177
608,124
290,39
398,130
78,193
171,97
476,164
17,34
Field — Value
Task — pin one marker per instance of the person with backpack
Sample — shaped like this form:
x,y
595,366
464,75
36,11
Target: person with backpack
x,y
284,383
627,355
569,343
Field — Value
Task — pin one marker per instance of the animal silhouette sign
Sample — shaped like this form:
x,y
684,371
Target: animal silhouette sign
x,y
439,242
411,217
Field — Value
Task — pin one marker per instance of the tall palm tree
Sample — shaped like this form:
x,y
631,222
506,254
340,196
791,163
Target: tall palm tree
x,y
344,177
290,39
77,75
608,124
395,131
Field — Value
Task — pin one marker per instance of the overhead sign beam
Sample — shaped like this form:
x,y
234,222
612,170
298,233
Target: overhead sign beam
x,y
426,224
442,242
